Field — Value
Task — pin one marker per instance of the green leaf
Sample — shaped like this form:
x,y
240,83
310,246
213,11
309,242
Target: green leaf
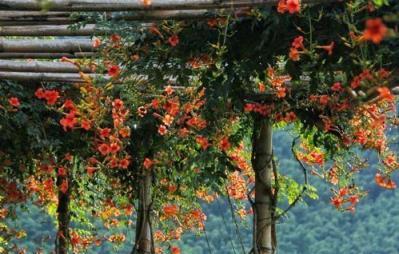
x,y
311,192
380,3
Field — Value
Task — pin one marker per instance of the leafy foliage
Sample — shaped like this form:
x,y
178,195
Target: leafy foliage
x,y
175,123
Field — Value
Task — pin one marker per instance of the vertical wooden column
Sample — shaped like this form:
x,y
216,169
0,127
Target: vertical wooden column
x,y
262,154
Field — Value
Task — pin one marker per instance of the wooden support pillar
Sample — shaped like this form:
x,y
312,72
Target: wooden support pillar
x,y
144,240
262,155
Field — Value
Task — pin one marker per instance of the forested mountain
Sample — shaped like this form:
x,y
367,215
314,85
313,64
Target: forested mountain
x,y
314,227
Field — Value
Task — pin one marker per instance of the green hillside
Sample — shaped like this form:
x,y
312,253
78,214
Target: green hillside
x,y
311,228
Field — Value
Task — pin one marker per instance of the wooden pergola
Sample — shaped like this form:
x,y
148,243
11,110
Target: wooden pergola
x,y
26,53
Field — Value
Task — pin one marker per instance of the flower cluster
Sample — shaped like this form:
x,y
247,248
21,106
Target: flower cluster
x,y
296,46
291,6
110,142
344,196
50,96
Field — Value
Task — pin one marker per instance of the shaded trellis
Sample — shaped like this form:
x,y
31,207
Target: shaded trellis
x,y
25,18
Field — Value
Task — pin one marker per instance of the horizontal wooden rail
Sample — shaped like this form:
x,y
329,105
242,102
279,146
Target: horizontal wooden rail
x,y
62,21
46,77
21,18
40,66
46,46
31,15
49,30
126,5
13,55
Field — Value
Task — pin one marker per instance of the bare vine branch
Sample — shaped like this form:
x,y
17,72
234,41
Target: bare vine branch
x,y
305,175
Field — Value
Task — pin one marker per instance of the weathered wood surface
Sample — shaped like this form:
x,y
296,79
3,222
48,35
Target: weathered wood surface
x,y
45,55
39,66
126,5
46,77
46,46
22,18
49,30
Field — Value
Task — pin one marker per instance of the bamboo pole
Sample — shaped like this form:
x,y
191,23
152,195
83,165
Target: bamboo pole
x,y
31,15
22,18
58,21
40,66
166,14
57,30
46,46
46,77
127,5
49,30
13,55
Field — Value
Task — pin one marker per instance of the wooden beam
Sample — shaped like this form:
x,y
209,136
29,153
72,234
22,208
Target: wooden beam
x,y
61,21
49,30
134,5
46,77
40,66
21,18
165,15
13,55
31,15
46,46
